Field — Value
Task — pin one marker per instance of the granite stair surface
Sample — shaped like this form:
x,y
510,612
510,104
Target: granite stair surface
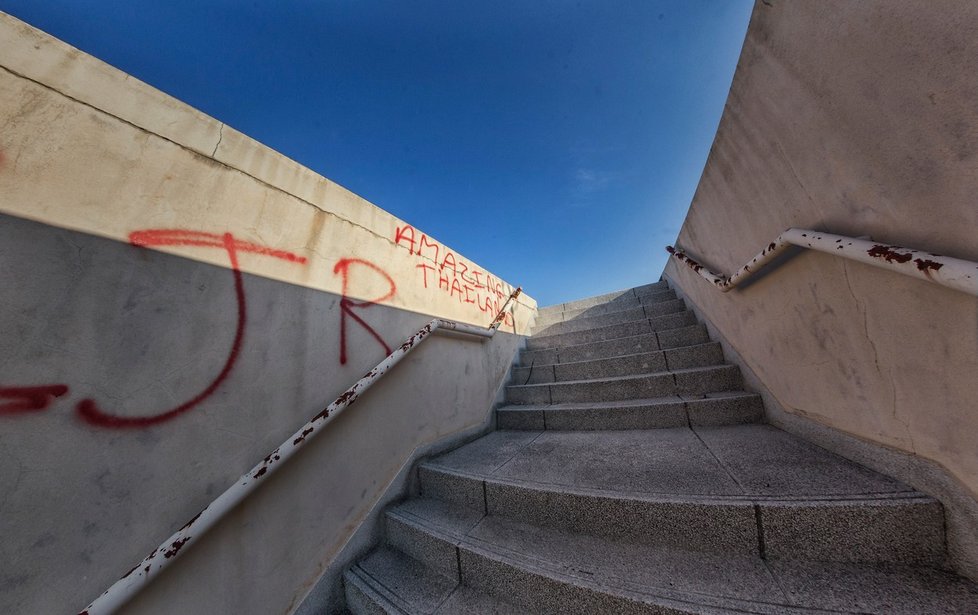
x,y
631,473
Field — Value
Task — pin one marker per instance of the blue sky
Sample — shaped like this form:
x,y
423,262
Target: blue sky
x,y
557,144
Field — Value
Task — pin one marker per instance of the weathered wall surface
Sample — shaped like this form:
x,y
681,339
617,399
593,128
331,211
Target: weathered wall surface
x,y
178,299
856,118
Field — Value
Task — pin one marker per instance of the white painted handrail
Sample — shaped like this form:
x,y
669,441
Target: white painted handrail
x,y
944,270
165,554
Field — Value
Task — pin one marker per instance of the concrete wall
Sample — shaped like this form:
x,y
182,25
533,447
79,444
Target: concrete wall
x,y
257,291
856,118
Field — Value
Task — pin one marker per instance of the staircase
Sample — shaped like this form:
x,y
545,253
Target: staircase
x,y
631,474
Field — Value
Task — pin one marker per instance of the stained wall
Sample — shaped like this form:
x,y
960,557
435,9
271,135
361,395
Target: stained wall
x,y
855,118
179,299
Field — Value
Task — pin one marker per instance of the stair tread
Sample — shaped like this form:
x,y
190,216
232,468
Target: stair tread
x,y
404,581
632,355
689,328
741,583
566,334
746,461
662,503
585,320
623,301
684,370
625,403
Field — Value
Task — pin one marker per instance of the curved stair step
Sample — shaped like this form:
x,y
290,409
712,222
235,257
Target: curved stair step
x,y
557,313
691,381
551,325
632,344
713,409
699,355
546,570
746,489
608,332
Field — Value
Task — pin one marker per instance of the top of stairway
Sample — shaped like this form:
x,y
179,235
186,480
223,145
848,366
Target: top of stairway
x,y
619,298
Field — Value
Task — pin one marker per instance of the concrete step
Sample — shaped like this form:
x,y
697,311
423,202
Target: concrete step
x,y
546,570
557,313
614,301
634,344
700,355
389,582
696,380
750,490
652,288
631,477
622,297
615,331
610,318
714,409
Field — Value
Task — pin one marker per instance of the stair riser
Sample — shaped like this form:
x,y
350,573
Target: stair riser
x,y
360,600
654,287
710,380
450,487
706,412
620,300
710,527
636,293
625,329
656,297
908,531
659,323
721,527
543,595
700,355
683,336
554,314
569,326
543,327
678,338
433,550
604,368
680,358
717,412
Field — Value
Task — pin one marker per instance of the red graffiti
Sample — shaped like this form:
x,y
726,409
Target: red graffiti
x,y
347,305
88,409
453,275
29,399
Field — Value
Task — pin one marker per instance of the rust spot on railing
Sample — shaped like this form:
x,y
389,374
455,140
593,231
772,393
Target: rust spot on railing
x,y
175,547
305,432
888,253
927,265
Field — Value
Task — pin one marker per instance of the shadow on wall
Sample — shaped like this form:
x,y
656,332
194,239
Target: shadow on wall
x,y
137,385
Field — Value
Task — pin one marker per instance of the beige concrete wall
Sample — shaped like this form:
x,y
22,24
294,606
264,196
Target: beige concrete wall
x,y
90,160
86,147
856,118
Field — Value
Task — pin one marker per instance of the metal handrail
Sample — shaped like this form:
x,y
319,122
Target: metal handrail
x,y
165,554
954,273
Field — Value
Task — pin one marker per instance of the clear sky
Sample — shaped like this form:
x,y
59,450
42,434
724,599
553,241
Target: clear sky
x,y
557,144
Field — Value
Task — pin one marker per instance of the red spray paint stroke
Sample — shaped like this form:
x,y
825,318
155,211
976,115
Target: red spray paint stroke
x,y
30,399
88,409
347,305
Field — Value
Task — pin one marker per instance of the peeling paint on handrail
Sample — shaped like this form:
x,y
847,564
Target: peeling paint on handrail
x,y
165,554
947,271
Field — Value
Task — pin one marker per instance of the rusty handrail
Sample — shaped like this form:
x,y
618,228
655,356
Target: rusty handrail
x,y
165,554
951,272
